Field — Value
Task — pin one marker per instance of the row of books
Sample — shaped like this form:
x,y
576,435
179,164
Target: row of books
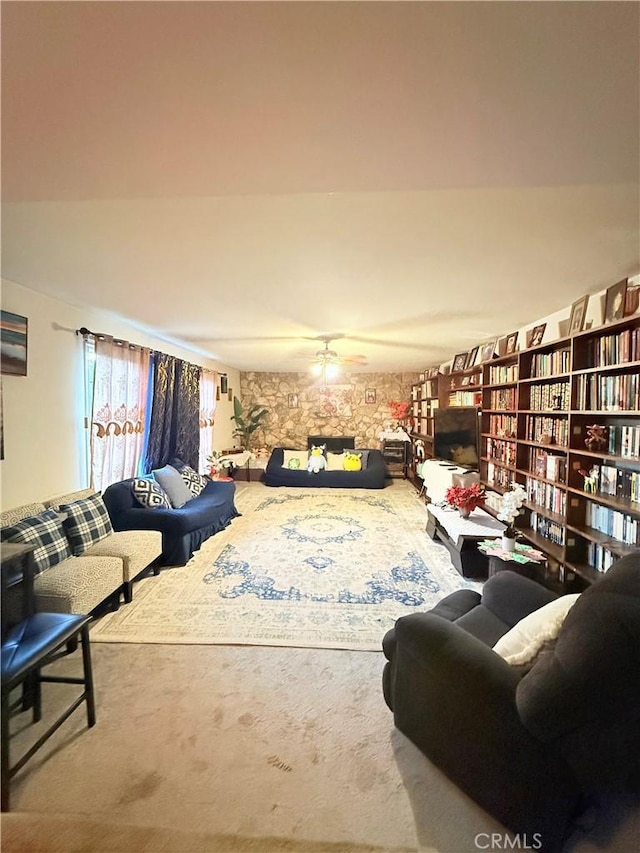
x,y
624,441
552,396
424,408
546,495
547,429
550,363
620,348
620,393
614,481
599,557
503,373
506,425
424,426
547,465
465,398
502,451
548,529
503,399
613,523
499,476
426,389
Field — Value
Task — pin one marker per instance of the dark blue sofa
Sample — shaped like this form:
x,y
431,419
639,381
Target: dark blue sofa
x,y
374,476
184,529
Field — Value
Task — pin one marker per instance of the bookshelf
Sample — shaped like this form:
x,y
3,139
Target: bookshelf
x,y
425,399
539,410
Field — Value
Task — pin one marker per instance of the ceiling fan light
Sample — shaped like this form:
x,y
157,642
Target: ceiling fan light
x,y
316,369
332,370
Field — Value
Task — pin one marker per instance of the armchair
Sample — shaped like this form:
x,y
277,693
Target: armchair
x,y
533,750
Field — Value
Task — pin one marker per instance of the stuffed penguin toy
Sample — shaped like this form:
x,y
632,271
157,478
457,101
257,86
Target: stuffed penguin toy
x,y
317,461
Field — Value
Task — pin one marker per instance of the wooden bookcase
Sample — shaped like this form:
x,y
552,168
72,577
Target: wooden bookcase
x,y
425,399
583,502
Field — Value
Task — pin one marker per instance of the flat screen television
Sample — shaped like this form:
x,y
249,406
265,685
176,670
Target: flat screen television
x,y
456,435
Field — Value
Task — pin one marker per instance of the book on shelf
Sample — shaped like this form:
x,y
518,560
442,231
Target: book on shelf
x,y
620,348
550,396
599,557
608,393
546,495
611,522
550,363
547,429
548,529
624,441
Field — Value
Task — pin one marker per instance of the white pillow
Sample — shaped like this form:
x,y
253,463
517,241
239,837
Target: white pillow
x,y
301,455
521,645
335,462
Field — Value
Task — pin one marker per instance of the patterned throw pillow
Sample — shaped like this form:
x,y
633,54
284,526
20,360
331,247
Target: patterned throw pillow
x,y
195,482
150,494
87,522
46,532
295,459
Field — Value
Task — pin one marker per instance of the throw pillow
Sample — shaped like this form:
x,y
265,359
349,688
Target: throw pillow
x,y
148,493
364,455
174,485
522,645
195,482
87,522
295,459
46,532
334,462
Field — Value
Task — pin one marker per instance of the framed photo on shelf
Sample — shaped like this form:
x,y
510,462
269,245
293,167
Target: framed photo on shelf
x,y
537,334
370,395
466,380
614,301
459,362
632,300
510,345
433,372
578,313
471,358
487,351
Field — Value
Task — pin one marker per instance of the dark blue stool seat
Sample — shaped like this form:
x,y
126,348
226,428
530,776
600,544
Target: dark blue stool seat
x,y
27,647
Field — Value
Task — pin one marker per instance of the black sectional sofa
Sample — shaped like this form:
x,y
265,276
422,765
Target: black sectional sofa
x,y
184,529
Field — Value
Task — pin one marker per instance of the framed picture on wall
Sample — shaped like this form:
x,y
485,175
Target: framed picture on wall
x,y
292,401
511,343
370,395
13,344
224,383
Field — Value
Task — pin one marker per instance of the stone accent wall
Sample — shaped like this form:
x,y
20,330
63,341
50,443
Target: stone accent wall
x,y
299,406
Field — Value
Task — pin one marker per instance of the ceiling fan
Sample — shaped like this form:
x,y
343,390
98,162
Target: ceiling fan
x,y
326,363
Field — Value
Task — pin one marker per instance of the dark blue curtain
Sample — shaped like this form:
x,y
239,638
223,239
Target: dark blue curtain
x,y
173,425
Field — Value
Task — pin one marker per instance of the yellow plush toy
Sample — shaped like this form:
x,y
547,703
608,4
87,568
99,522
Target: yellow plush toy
x,y
352,461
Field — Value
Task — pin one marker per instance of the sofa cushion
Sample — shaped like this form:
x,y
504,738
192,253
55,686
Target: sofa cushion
x,y
364,454
195,482
46,532
335,462
70,497
136,548
538,631
12,516
78,584
150,494
173,484
87,522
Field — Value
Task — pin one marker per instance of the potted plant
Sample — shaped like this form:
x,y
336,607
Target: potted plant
x,y
247,423
510,508
466,499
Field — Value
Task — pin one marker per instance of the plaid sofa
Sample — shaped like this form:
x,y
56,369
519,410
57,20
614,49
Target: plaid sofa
x,y
82,564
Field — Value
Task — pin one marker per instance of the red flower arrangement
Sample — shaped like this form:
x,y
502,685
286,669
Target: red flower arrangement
x,y
399,410
466,498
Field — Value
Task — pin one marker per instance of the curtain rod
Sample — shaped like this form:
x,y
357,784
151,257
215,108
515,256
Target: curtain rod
x,y
87,332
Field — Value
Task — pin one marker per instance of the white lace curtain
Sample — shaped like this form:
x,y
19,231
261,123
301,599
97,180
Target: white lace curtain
x,y
120,386
208,384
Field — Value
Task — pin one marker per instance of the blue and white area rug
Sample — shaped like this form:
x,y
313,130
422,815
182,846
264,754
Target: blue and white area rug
x,y
319,568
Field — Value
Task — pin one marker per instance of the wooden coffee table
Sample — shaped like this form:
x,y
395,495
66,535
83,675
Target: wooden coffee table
x,y
461,536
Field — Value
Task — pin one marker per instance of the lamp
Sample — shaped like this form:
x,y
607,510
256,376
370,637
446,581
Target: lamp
x,y
327,364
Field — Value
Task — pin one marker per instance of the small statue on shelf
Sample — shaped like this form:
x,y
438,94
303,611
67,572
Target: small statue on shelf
x,y
596,437
590,479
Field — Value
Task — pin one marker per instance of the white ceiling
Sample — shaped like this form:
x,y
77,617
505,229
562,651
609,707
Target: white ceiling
x,y
244,176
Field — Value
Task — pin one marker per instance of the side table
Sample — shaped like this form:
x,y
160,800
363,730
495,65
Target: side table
x,y
525,560
461,536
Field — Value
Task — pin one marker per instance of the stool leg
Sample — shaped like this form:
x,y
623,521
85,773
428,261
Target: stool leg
x,y
6,776
88,676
